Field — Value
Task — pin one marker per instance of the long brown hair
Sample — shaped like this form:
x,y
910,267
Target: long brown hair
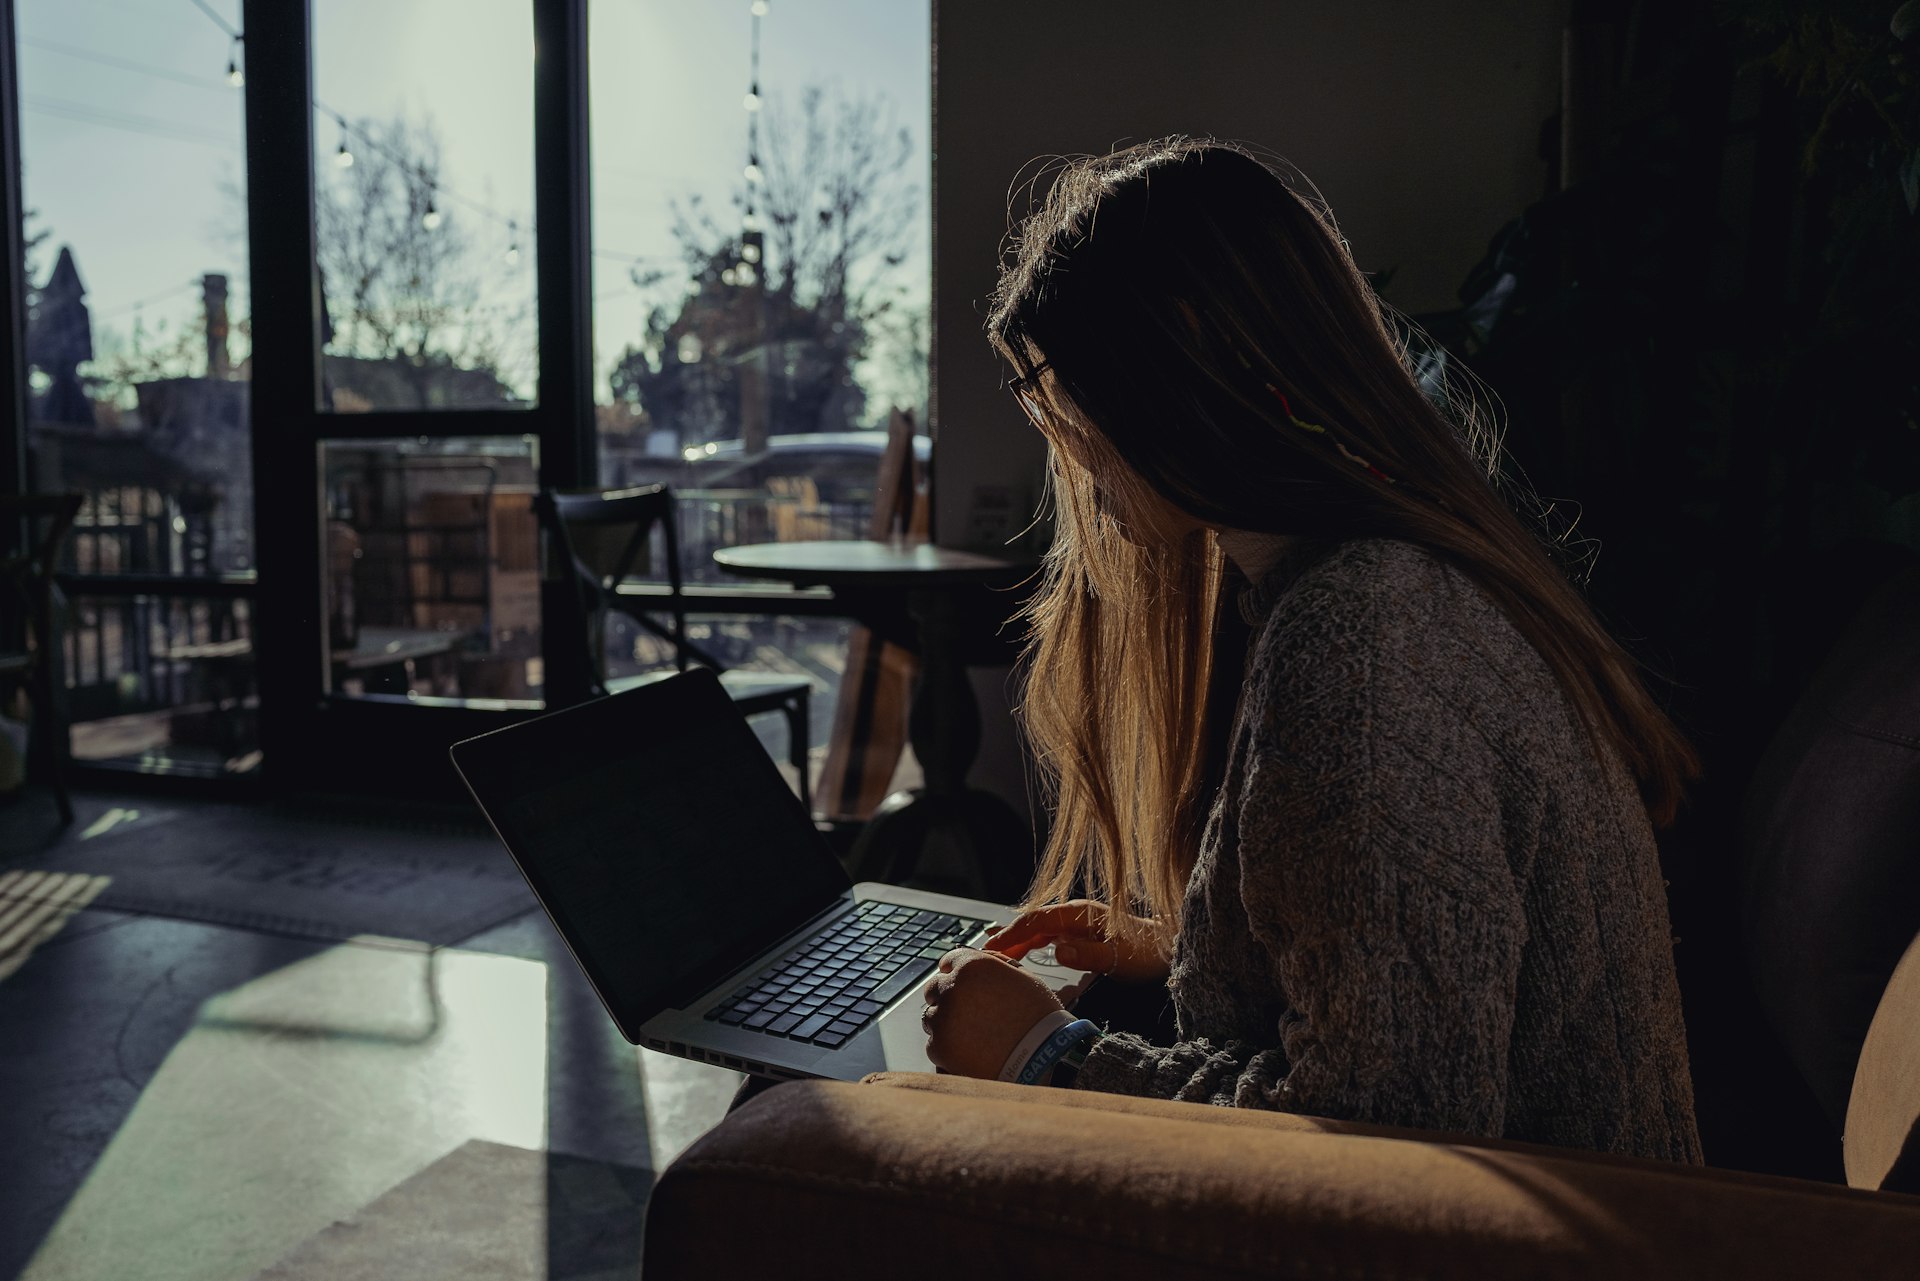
x,y
1164,286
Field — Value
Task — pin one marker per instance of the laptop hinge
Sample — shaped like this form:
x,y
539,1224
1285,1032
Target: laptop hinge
x,y
700,985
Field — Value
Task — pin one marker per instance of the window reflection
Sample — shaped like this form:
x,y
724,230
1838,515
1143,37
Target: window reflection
x,y
432,569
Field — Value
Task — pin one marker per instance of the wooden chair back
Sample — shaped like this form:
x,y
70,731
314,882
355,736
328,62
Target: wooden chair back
x,y
876,688
603,538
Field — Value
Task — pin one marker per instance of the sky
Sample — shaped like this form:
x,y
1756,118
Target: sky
x,y
131,134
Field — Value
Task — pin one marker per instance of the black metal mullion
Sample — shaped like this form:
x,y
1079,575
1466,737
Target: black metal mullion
x,y
285,288
13,313
569,452
302,729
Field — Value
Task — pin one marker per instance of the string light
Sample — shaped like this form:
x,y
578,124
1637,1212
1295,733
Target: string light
x,y
368,142
513,241
431,218
343,158
743,272
234,75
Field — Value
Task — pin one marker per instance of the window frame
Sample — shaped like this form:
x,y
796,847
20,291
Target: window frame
x,y
310,739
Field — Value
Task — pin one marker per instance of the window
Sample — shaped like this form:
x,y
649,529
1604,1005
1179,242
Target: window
x,y
137,346
762,279
423,184
432,568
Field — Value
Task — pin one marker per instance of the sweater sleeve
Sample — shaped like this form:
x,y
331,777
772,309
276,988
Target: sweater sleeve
x,y
1374,875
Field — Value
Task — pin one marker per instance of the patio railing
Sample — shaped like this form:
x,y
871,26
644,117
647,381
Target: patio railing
x,y
156,658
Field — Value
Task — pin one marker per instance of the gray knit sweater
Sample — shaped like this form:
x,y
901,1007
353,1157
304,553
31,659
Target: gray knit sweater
x,y
1421,899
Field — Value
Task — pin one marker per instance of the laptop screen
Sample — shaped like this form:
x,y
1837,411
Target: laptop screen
x,y
659,836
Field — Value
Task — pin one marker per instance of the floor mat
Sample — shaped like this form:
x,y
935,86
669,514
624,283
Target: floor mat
x,y
487,1212
308,871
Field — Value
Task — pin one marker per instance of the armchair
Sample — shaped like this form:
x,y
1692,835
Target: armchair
x,y
945,1176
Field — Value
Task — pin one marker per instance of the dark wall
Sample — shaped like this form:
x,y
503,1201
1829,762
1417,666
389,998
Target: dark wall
x,y
1419,124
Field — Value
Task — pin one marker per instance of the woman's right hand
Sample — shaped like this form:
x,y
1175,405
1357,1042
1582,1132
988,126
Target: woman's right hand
x,y
1137,954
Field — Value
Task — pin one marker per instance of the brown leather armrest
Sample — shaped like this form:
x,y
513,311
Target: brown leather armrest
x,y
853,1181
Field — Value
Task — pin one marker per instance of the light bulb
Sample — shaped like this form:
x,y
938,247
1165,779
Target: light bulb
x,y
753,174
759,8
750,222
751,102
750,252
513,253
431,218
726,276
234,76
343,157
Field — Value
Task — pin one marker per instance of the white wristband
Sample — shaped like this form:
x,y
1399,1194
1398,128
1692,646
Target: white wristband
x,y
1036,1037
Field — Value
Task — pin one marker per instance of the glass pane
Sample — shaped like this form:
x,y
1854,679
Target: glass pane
x,y
808,647
790,494
138,331
762,264
762,283
163,683
423,182
432,568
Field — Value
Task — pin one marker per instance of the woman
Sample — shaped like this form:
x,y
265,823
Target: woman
x,y
1334,746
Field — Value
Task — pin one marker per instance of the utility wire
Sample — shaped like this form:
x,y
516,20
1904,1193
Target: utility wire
x,y
125,309
87,114
186,133
133,124
218,21
484,210
123,64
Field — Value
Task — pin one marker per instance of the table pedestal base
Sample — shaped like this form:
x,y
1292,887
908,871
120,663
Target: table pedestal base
x,y
995,844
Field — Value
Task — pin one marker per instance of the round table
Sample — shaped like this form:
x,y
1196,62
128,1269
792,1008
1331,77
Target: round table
x,y
958,603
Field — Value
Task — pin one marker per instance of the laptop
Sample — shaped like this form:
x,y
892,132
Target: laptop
x,y
692,887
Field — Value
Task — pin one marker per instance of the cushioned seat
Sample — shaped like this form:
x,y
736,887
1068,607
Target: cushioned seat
x,y
912,1173
947,1176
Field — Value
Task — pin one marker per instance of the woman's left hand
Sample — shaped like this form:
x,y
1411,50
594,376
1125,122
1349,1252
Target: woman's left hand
x,y
978,1007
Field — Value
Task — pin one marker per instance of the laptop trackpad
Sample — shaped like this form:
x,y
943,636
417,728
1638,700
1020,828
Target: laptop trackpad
x,y
905,1043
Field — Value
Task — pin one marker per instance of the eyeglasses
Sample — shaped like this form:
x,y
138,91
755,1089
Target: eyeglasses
x,y
1018,386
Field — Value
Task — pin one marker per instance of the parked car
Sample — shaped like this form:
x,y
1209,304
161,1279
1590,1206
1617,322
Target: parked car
x,y
843,465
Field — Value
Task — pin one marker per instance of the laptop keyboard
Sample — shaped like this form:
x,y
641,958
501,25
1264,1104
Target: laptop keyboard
x,y
834,984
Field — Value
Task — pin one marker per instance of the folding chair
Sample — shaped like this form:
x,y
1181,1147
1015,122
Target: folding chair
x,y
602,537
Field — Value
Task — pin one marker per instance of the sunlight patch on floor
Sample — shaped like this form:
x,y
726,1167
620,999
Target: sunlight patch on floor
x,y
33,907
685,1099
300,1097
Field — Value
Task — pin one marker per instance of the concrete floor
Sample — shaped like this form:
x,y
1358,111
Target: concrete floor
x,y
183,1100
